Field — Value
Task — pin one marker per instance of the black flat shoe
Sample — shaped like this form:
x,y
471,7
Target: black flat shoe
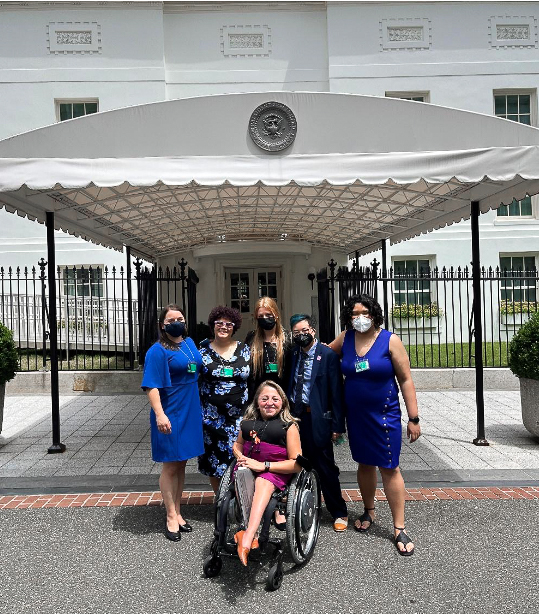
x,y
173,536
186,528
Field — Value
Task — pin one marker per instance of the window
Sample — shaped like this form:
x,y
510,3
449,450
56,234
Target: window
x,y
83,281
69,109
518,279
518,106
417,96
518,208
414,286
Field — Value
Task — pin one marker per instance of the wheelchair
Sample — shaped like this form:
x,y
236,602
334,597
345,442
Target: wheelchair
x,y
300,503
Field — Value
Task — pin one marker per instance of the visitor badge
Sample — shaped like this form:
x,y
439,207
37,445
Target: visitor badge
x,y
192,367
227,372
272,367
362,365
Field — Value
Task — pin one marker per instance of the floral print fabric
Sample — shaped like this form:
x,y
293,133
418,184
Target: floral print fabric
x,y
223,399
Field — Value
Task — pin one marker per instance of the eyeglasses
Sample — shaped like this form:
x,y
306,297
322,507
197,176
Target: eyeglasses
x,y
220,324
172,320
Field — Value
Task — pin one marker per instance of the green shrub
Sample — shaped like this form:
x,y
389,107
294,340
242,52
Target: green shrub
x,y
510,308
9,358
416,311
524,350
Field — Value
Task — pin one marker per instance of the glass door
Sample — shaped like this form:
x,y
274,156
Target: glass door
x,y
245,286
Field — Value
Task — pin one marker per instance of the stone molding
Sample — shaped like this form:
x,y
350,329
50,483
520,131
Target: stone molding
x,y
405,34
505,32
74,37
246,41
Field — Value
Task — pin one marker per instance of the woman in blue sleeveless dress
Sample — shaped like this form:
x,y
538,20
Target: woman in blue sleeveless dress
x,y
373,361
171,369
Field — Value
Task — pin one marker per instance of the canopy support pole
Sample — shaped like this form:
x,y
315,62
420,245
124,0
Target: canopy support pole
x,y
57,446
129,308
480,440
384,283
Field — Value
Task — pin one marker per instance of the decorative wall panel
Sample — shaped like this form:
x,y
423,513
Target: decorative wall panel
x,y
407,33
508,32
74,37
245,40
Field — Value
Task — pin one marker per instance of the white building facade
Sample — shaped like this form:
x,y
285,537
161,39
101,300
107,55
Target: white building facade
x,y
63,60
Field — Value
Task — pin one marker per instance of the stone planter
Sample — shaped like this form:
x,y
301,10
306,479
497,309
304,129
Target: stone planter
x,y
2,397
529,398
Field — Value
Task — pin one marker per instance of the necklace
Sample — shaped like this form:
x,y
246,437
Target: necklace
x,y
257,435
225,371
270,366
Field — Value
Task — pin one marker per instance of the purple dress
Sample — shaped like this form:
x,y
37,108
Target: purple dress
x,y
372,403
265,440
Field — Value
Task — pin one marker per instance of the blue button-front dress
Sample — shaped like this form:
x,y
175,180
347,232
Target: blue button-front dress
x,y
166,370
372,403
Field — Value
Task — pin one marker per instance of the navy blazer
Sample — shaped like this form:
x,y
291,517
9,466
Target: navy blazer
x,y
326,392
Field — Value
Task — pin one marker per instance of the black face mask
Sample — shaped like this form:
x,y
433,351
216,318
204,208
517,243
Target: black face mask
x,y
303,340
266,323
175,329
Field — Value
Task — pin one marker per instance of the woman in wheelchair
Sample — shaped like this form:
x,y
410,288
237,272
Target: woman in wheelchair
x,y
268,444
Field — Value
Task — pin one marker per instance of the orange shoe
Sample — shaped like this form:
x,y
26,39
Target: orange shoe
x,y
243,553
255,544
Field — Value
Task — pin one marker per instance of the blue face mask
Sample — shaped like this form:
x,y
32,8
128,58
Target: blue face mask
x,y
175,329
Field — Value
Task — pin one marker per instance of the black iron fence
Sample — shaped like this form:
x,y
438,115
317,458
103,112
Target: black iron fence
x,y
432,309
101,321
106,317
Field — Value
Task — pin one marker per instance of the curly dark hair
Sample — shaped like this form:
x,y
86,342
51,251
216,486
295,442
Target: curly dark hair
x,y
372,305
221,311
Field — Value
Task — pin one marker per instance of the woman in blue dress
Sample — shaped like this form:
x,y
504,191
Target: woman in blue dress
x,y
373,361
171,370
223,391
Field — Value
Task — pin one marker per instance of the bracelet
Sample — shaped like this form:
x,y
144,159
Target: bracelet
x,y
267,466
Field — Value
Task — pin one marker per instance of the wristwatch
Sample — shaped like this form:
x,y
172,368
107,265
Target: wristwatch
x,y
267,465
414,420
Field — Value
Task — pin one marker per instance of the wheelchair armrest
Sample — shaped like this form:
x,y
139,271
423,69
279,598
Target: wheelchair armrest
x,y
304,463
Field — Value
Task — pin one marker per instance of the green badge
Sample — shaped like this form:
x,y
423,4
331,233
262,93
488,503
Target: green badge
x,y
227,372
272,367
362,365
192,367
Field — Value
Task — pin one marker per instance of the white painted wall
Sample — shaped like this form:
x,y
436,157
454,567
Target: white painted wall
x,y
151,51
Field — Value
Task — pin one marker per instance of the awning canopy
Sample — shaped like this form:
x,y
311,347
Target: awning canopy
x,y
170,176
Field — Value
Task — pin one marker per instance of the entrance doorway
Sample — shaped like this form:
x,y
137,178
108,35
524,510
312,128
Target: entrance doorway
x,y
245,286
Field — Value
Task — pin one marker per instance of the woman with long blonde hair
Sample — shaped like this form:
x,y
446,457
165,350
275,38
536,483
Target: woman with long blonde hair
x,y
268,342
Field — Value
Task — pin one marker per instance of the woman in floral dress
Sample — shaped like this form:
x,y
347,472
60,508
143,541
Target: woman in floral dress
x,y
223,391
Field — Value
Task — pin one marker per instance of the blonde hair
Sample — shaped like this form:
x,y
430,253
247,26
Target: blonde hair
x,y
257,346
253,411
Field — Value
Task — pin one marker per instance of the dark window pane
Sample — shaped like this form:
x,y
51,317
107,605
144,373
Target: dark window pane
x,y
261,278
513,118
272,291
234,278
66,112
499,105
525,119
512,104
398,266
234,293
244,278
524,104
505,263
400,299
235,304
526,206
91,107
78,109
262,291
272,278
502,210
514,208
529,263
423,266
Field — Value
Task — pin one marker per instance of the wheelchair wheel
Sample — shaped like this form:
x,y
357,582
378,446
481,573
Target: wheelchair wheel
x,y
275,577
212,566
231,520
303,516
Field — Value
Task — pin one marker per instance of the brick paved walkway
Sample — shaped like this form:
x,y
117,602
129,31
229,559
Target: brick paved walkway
x,y
126,499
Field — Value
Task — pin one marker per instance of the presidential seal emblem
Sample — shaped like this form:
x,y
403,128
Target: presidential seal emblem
x,y
273,126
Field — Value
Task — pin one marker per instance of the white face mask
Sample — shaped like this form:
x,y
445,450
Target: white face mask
x,y
361,323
